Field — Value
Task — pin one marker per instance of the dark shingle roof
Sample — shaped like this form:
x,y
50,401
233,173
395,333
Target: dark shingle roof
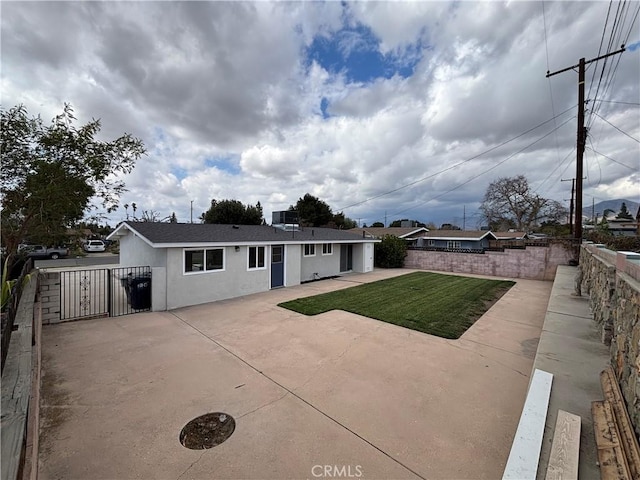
x,y
193,233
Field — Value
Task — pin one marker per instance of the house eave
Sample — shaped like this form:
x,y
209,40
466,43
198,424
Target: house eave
x,y
257,243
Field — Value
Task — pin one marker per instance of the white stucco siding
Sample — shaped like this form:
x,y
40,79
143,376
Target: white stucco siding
x,y
136,252
292,265
319,265
359,257
192,289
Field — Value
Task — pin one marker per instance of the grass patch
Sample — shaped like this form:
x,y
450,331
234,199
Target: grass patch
x,y
442,305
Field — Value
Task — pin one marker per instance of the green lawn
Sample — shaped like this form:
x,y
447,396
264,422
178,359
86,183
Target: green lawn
x,y
442,305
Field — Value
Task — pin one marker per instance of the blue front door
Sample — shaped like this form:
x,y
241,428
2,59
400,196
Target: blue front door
x,y
277,266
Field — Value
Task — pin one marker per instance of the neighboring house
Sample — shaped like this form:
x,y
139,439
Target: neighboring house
x,y
199,263
456,240
410,234
628,228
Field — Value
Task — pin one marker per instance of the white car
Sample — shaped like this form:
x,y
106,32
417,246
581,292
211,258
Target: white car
x,y
94,246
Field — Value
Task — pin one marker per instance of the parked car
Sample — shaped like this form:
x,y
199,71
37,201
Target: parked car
x,y
40,251
94,246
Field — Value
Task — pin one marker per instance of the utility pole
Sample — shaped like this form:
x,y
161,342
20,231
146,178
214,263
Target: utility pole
x,y
464,217
191,211
573,187
582,134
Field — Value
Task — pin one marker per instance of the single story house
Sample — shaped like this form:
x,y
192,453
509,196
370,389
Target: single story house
x,y
198,263
456,240
410,234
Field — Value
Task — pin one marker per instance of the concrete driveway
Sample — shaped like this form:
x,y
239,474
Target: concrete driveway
x,y
331,396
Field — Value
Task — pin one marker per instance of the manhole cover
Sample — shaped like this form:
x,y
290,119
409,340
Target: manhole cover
x,y
207,431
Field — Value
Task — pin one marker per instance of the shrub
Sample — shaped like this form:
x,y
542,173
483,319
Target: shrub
x,y
617,242
390,253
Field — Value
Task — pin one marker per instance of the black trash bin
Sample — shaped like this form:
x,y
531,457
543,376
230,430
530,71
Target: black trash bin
x,y
140,292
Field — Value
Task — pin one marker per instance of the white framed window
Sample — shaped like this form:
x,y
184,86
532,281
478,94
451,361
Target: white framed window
x,y
309,250
203,260
451,244
431,242
256,258
327,248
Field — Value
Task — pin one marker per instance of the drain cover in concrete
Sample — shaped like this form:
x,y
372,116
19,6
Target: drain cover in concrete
x,y
207,431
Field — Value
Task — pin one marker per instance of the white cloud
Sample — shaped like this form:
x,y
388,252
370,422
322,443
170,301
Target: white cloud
x,y
228,80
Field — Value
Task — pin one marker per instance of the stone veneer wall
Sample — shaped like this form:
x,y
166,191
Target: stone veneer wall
x,y
536,263
612,280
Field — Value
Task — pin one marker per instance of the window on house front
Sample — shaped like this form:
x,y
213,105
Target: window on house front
x,y
327,248
309,250
453,244
431,243
256,258
203,260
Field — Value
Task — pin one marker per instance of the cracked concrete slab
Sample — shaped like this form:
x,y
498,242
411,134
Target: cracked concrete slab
x,y
335,389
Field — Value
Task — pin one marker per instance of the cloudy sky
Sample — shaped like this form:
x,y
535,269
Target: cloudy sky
x,y
407,110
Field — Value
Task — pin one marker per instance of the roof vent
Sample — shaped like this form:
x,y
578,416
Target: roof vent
x,y
235,227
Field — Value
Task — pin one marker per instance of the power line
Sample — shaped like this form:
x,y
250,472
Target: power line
x,y
621,103
459,163
488,170
614,161
619,24
599,167
553,108
621,131
604,30
554,170
633,22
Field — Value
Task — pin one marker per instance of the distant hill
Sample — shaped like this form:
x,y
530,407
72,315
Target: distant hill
x,y
614,205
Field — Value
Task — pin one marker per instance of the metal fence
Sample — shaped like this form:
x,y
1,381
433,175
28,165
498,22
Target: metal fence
x,y
104,292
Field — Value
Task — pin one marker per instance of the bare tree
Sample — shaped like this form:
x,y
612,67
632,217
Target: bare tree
x,y
510,203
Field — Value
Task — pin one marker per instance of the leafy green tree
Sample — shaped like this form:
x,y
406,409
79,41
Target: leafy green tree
x,y
555,229
624,213
341,222
390,252
398,223
50,174
312,212
233,212
377,225
449,226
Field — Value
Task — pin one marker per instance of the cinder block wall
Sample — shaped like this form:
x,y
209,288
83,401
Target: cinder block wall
x,y
535,263
612,280
49,296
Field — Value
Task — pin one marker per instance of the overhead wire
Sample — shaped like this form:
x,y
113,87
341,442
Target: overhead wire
x,y
621,131
459,163
604,31
546,47
614,161
555,169
599,169
607,62
469,180
618,41
621,103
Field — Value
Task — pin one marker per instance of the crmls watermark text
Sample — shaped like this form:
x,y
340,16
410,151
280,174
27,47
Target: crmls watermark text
x,y
336,471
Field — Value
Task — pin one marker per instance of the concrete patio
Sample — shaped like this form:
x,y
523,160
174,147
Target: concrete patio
x,y
336,389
